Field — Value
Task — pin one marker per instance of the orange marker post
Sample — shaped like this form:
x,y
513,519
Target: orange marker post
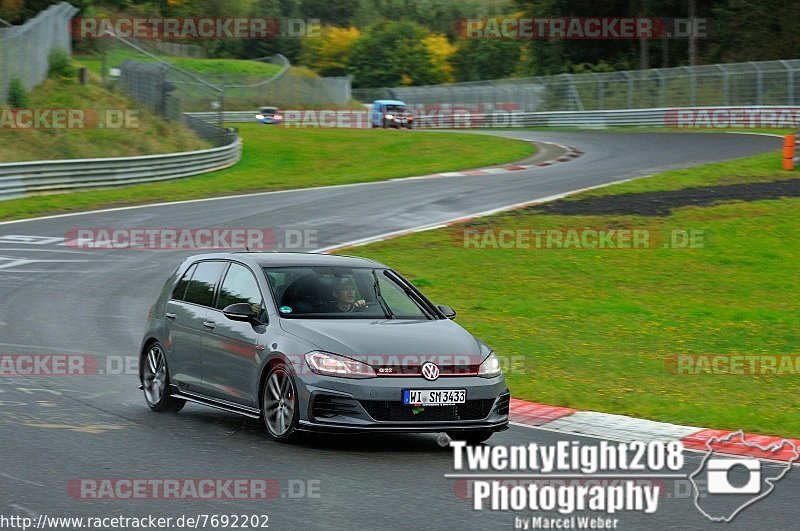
x,y
788,152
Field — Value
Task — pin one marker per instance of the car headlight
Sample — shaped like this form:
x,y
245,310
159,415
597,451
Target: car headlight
x,y
335,365
490,367
389,116
259,116
277,117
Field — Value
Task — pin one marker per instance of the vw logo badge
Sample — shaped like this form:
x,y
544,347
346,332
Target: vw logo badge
x,y
430,371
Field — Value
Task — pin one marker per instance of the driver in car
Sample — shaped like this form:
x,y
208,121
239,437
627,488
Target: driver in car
x,y
344,297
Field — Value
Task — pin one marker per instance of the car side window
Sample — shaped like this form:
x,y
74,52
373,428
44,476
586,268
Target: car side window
x,y
240,286
398,301
180,288
204,282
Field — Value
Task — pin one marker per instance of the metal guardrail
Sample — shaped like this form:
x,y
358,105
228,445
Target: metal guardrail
x,y
18,179
720,117
686,117
231,117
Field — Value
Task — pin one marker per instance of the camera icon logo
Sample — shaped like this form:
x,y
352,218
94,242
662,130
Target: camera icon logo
x,y
719,481
725,485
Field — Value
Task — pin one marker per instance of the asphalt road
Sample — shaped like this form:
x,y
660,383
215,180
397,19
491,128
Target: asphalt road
x,y
62,300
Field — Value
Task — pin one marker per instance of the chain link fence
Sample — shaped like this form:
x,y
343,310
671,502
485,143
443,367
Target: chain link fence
x,y
755,83
173,84
24,49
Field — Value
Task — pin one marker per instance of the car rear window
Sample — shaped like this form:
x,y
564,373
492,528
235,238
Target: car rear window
x,y
179,292
204,282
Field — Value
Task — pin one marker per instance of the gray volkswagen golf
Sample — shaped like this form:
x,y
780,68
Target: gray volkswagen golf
x,y
310,342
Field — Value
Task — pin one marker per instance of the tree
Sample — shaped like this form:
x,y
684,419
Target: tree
x,y
336,12
11,10
479,59
329,53
441,52
390,54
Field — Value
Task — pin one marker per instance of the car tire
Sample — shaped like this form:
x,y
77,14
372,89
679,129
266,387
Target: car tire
x,y
154,376
471,437
280,405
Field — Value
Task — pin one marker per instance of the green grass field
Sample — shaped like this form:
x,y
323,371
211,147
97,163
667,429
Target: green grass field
x,y
277,158
599,329
213,68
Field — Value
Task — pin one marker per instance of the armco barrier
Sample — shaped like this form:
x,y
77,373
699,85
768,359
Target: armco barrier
x,y
675,117
689,117
21,178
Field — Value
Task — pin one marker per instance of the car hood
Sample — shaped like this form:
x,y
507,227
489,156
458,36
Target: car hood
x,y
385,339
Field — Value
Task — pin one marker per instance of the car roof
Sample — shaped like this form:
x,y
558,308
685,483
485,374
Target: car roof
x,y
274,259
389,102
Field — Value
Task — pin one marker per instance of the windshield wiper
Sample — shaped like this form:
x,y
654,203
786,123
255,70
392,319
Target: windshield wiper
x,y
376,285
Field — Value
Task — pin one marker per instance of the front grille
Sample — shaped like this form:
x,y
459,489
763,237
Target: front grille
x,y
329,406
503,404
397,412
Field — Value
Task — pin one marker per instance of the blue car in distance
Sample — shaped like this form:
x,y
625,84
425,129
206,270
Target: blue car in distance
x,y
391,113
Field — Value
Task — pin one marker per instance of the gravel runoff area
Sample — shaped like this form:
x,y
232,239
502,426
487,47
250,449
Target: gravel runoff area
x,y
661,203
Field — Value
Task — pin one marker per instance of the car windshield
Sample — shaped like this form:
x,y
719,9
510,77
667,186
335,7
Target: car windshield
x,y
395,108
344,293
268,110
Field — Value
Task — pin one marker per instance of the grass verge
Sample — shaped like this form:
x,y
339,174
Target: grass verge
x,y
601,329
277,158
140,133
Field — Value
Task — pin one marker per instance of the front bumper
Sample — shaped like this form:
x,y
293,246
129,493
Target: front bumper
x,y
375,405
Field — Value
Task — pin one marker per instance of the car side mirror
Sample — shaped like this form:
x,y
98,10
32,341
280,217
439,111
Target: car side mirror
x,y
447,311
241,311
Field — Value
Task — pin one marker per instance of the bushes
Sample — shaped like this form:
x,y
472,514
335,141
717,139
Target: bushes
x,y
17,95
60,64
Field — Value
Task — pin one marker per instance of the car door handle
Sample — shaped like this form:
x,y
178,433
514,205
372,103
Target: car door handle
x,y
170,315
209,324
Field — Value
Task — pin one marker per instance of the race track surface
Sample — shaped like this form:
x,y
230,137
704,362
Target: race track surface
x,y
61,300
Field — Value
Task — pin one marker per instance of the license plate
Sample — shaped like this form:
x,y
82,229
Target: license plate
x,y
434,397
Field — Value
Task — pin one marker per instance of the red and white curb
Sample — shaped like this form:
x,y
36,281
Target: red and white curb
x,y
629,429
570,153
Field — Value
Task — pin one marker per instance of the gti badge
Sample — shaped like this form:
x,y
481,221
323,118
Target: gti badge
x,y
430,371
